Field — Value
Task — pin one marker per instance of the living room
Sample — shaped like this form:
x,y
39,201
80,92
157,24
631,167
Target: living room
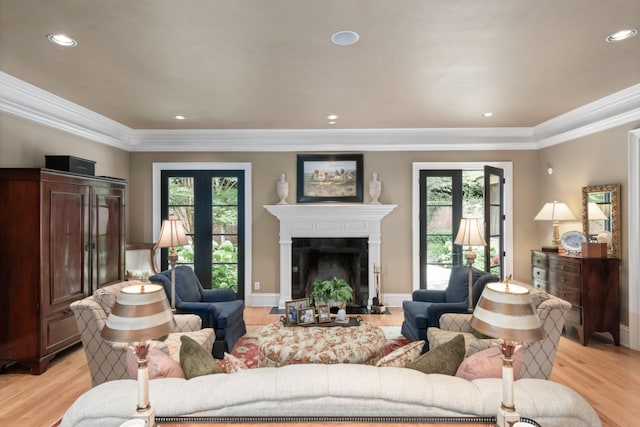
x,y
592,141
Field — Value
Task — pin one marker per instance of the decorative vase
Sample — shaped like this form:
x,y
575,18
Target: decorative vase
x,y
375,188
282,188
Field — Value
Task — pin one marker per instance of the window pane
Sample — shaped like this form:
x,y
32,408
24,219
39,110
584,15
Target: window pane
x,y
225,219
224,190
439,190
225,276
439,249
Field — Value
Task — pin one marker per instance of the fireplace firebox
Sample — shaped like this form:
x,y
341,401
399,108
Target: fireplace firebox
x,y
326,258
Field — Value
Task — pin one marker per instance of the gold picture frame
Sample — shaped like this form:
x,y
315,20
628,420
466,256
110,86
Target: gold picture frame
x,y
291,309
306,316
324,313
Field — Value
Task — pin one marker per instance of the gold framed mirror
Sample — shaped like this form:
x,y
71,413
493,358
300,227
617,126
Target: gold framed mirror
x,y
601,216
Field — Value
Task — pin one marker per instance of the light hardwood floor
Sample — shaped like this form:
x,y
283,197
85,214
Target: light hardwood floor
x,y
605,375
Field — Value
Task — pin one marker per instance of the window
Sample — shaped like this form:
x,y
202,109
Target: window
x,y
212,204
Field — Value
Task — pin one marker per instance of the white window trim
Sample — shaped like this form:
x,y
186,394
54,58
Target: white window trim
x,y
633,193
157,168
415,210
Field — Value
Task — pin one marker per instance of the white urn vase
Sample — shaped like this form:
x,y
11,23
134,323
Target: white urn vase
x,y
375,188
282,187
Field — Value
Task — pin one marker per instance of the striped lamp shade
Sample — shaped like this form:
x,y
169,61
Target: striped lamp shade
x,y
505,311
141,313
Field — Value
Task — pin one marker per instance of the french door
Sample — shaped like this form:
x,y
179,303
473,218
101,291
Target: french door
x,y
446,196
210,204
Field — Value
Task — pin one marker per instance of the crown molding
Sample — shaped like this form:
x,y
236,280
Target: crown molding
x,y
30,102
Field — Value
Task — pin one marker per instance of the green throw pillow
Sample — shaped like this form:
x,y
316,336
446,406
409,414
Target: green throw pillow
x,y
443,359
195,360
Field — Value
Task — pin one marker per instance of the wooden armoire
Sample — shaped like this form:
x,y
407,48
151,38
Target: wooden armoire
x,y
61,237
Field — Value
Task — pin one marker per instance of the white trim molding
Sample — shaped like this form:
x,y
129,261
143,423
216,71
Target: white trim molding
x,y
24,100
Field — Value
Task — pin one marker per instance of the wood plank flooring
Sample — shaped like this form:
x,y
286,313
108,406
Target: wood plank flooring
x,y
607,376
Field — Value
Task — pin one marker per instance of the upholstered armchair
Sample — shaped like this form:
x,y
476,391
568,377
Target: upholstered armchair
x,y
218,308
427,305
107,360
537,357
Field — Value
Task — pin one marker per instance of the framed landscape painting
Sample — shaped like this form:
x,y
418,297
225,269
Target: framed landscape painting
x,y
329,178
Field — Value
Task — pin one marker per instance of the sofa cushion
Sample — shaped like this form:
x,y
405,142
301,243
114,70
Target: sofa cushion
x,y
402,356
443,359
233,364
437,337
195,360
159,363
488,364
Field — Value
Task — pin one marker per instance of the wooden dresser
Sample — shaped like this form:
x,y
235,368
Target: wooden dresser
x,y
62,237
589,284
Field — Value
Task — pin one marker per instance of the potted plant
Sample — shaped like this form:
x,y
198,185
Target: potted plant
x,y
334,292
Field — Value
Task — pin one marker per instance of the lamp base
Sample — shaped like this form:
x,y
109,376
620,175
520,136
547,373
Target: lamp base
x,y
507,418
148,415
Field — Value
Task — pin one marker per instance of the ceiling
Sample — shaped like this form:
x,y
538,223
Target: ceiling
x,y
270,64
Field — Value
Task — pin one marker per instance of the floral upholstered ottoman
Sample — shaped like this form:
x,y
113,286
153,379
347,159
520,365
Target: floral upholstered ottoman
x,y
280,345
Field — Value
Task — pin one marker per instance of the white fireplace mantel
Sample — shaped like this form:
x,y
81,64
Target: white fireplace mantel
x,y
328,220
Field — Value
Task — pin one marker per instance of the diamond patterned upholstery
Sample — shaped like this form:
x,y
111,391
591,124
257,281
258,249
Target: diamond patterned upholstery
x,y
108,360
538,357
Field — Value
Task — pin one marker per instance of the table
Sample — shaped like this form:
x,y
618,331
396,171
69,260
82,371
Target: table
x,y
280,345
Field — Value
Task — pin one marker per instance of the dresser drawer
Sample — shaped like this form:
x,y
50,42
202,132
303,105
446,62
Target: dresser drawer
x,y
539,274
571,295
564,280
539,260
564,266
59,330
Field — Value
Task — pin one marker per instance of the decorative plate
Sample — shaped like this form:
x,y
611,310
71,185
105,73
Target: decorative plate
x,y
572,241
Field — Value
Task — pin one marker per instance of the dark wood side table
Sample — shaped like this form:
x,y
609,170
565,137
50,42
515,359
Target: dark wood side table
x,y
589,284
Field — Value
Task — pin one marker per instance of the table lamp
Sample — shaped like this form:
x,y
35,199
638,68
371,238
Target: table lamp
x,y
555,212
141,313
505,311
469,234
172,234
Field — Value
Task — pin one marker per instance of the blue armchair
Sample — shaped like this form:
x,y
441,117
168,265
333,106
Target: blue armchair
x,y
218,308
427,305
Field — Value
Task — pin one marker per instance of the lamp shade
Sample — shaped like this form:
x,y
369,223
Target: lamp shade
x,y
505,311
172,233
594,213
141,313
469,233
555,211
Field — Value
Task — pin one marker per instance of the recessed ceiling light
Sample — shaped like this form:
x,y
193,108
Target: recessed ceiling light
x,y
345,38
332,117
179,117
487,114
62,40
332,122
621,35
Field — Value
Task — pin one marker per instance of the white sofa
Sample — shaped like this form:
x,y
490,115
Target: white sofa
x,y
341,390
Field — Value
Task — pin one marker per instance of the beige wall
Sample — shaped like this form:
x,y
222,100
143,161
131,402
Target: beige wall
x,y
597,159
24,143
394,171
600,158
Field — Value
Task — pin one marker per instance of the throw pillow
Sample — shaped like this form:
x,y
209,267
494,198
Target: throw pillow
x,y
488,364
233,364
400,357
195,360
443,359
159,363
